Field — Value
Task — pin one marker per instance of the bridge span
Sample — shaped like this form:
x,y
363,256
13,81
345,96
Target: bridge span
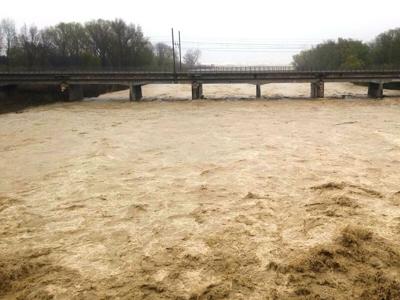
x,y
73,81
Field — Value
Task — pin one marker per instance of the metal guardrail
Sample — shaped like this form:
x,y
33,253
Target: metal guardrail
x,y
200,69
322,73
185,68
197,69
205,75
238,69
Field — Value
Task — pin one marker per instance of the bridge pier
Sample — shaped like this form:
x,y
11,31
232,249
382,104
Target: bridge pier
x,y
317,89
135,92
375,90
75,92
258,91
197,91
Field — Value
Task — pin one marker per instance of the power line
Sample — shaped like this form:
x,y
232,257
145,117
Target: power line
x,y
244,47
249,51
249,48
245,40
244,44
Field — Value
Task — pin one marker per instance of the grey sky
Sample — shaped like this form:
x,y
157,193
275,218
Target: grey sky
x,y
239,32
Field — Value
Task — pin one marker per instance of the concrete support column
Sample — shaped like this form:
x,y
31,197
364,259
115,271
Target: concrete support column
x,y
135,92
375,90
75,92
197,90
258,91
317,89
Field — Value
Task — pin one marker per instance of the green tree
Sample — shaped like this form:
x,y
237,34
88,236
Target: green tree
x,y
332,55
385,49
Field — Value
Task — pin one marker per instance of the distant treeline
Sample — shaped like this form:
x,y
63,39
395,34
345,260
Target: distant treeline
x,y
382,52
95,44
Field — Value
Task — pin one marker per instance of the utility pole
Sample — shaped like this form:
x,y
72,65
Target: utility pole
x,y
180,52
173,50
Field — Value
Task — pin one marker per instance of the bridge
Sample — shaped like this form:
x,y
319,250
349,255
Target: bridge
x,y
73,81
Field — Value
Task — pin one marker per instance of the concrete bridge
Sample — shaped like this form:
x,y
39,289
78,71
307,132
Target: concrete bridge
x,y
72,82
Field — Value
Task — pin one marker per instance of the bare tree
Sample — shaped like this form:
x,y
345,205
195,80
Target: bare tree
x,y
128,44
10,34
100,36
1,40
163,54
67,39
192,57
31,51
94,44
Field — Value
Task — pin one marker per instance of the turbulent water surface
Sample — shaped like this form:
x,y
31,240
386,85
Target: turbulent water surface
x,y
202,199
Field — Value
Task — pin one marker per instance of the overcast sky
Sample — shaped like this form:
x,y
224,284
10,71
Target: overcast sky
x,y
227,31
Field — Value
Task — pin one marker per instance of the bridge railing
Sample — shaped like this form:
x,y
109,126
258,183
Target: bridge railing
x,y
204,68
149,69
86,69
255,69
185,69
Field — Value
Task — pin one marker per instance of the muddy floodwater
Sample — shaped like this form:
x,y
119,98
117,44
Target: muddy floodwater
x,y
229,199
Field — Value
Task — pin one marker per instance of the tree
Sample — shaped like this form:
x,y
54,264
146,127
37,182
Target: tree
x,y
142,53
385,49
129,47
163,55
67,42
100,38
10,34
191,57
121,35
118,44
97,43
68,39
332,55
31,51
1,40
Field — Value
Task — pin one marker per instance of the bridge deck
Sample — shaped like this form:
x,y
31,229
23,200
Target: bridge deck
x,y
74,80
202,76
